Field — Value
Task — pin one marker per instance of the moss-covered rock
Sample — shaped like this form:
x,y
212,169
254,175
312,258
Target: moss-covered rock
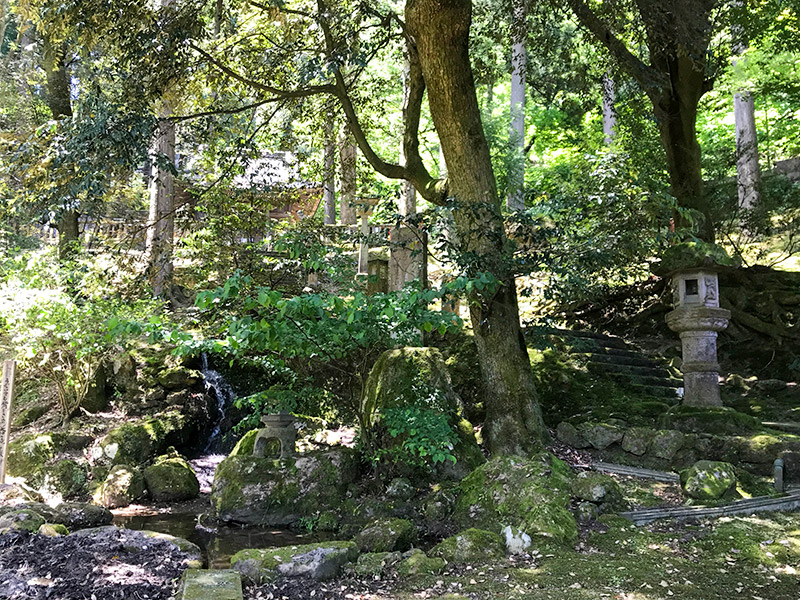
x,y
716,420
419,563
709,480
470,546
252,490
601,435
30,415
666,443
569,434
122,486
530,494
637,440
373,564
599,489
65,479
29,453
52,529
246,444
23,518
386,535
171,479
80,515
693,255
179,378
317,561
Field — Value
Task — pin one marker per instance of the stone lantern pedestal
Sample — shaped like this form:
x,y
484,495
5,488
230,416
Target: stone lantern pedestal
x,y
697,317
364,208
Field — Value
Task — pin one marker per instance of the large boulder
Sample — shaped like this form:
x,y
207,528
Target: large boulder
x,y
416,562
29,453
23,519
63,479
418,377
315,561
261,491
709,480
171,479
470,546
599,489
531,494
121,487
386,535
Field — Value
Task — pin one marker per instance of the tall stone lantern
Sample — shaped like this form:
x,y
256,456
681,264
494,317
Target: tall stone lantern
x,y
692,268
364,208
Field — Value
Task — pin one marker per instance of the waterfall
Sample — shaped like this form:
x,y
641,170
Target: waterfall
x,y
222,391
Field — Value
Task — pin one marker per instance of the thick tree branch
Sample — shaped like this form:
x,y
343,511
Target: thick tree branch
x,y
649,79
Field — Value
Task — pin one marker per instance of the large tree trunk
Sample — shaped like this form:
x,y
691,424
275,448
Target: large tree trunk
x,y
519,62
161,219
675,109
348,153
441,31
329,173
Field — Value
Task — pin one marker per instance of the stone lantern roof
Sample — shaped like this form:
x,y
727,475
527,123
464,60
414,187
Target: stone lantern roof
x,y
693,256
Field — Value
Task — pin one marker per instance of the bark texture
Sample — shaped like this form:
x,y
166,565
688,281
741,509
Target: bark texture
x,y
348,153
519,63
329,173
440,29
161,218
609,114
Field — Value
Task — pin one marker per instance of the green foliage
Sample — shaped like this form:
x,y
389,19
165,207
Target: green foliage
x,y
423,436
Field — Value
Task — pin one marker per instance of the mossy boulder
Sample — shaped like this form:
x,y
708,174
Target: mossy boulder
x,y
246,444
666,443
171,479
179,378
386,535
80,515
23,519
373,564
252,490
709,480
65,479
32,414
29,453
599,489
470,546
122,486
569,434
417,562
637,440
316,561
531,494
601,435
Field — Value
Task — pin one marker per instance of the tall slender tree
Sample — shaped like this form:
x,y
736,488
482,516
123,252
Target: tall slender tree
x,y
519,65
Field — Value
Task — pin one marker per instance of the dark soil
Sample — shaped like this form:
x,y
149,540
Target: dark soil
x,y
116,566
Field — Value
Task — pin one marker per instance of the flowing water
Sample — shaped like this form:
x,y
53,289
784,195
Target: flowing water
x,y
222,391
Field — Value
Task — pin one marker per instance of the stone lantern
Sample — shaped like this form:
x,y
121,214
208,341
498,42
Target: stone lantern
x,y
364,208
697,317
278,427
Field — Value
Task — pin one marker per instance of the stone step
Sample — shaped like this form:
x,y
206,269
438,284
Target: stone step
x,y
788,427
591,338
630,370
656,381
203,584
789,501
630,361
657,391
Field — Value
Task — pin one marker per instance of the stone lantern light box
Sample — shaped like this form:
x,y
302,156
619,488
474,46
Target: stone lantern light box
x,y
695,288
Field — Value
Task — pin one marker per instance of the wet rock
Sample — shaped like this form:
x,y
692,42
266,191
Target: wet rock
x,y
80,515
601,435
637,440
373,564
171,479
470,546
709,480
252,490
531,494
666,443
316,561
416,562
122,486
599,489
386,535
569,434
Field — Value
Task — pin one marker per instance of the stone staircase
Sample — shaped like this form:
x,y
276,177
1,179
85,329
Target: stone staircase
x,y
615,358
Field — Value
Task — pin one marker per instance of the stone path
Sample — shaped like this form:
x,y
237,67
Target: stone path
x,y
201,584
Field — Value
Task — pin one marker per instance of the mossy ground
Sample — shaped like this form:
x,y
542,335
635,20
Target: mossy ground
x,y
748,557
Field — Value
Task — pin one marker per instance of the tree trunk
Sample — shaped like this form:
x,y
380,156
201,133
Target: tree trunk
x,y
519,62
675,109
329,173
609,114
161,219
348,153
441,31
748,173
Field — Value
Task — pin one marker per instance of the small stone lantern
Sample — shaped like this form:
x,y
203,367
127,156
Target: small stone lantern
x,y
364,208
278,427
697,317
